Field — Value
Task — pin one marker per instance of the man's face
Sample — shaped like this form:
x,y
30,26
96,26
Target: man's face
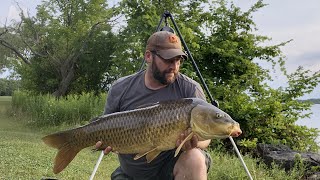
x,y
165,71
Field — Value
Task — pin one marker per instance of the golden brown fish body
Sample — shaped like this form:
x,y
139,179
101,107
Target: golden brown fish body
x,y
145,131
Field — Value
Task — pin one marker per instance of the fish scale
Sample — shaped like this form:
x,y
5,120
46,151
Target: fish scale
x,y
145,131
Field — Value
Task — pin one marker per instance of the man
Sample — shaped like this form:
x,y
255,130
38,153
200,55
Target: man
x,y
160,81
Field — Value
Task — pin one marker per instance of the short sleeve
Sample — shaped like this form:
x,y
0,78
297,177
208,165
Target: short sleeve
x,y
199,92
112,102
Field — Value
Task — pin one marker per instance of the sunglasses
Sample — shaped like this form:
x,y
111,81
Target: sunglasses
x,y
169,61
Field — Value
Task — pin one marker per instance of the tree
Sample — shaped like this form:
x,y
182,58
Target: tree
x,y
7,86
56,40
5,53
226,48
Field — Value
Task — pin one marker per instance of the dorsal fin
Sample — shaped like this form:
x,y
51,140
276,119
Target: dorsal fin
x,y
183,100
147,105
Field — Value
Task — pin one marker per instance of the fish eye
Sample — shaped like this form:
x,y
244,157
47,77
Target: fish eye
x,y
218,115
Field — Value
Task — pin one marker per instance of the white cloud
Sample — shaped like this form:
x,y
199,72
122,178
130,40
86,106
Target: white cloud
x,y
305,38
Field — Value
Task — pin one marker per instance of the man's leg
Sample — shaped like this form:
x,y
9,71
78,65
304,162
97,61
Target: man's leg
x,y
118,174
192,164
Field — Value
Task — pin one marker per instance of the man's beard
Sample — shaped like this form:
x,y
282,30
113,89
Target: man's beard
x,y
161,76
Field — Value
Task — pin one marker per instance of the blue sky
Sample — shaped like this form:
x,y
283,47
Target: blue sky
x,y
281,20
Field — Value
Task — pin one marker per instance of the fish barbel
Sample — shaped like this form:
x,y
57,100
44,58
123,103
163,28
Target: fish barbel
x,y
146,131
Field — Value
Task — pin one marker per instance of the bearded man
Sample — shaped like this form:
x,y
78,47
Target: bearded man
x,y
160,81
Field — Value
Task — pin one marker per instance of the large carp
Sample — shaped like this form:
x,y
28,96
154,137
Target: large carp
x,y
145,131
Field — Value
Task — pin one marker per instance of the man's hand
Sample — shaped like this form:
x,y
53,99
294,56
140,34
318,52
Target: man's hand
x,y
106,151
190,144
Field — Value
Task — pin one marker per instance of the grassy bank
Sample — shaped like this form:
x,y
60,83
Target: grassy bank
x,y
24,156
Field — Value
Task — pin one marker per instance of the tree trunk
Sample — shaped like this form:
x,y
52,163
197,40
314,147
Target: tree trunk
x,y
67,71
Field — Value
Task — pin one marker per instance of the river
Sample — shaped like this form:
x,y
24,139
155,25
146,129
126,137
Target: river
x,y
313,121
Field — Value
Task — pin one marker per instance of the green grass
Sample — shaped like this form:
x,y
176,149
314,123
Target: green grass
x,y
229,167
24,156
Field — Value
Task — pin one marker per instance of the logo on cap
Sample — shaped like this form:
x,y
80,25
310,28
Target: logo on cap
x,y
173,39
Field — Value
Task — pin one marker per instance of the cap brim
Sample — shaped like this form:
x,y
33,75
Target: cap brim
x,y
171,53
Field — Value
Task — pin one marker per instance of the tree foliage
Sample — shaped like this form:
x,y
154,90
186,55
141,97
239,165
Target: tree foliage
x,y
6,55
8,86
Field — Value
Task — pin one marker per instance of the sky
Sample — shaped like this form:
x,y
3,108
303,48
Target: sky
x,y
281,20
298,20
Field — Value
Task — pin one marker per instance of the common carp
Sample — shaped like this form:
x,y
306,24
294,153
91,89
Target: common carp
x,y
145,131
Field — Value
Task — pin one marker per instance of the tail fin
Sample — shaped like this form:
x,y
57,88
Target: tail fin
x,y
66,149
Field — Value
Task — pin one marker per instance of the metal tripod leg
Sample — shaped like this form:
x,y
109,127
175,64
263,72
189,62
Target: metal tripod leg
x,y
96,166
240,157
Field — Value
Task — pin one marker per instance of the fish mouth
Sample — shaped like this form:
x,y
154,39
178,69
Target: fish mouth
x,y
235,133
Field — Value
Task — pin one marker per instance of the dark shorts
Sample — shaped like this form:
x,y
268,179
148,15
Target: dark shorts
x,y
166,172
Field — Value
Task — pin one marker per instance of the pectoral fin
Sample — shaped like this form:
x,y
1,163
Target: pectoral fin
x,y
143,154
150,156
182,143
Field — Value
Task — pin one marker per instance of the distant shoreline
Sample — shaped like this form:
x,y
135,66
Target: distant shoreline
x,y
314,101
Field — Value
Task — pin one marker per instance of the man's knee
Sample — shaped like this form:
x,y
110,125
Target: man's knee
x,y
192,161
118,174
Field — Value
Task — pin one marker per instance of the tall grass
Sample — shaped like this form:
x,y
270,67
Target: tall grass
x,y
46,110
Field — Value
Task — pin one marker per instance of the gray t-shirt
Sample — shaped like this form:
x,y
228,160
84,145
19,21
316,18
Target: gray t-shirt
x,y
130,92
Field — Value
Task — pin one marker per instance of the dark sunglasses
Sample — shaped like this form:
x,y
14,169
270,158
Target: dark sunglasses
x,y
169,61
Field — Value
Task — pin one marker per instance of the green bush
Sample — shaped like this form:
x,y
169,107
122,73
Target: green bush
x,y
46,110
7,86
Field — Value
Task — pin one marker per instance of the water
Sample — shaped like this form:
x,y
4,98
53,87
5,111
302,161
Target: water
x,y
313,121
